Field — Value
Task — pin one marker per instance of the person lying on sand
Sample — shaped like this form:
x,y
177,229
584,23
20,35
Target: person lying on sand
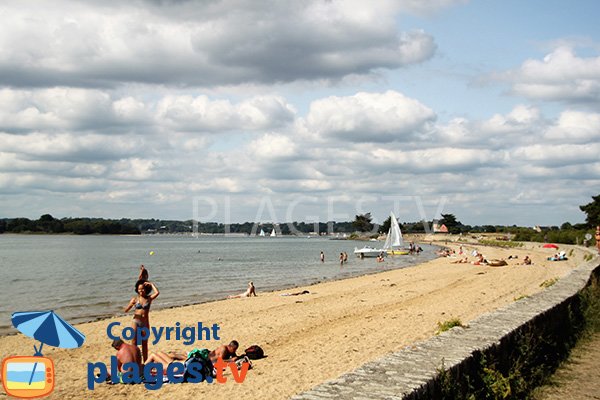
x,y
295,293
251,291
461,261
480,260
226,352
166,358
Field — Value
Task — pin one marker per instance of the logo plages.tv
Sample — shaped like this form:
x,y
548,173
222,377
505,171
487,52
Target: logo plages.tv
x,y
29,377
151,374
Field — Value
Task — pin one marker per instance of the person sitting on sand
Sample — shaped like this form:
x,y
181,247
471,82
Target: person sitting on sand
x,y
147,292
126,353
251,291
527,260
225,352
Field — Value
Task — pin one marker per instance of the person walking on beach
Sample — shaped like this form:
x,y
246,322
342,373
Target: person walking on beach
x,y
322,257
146,293
598,238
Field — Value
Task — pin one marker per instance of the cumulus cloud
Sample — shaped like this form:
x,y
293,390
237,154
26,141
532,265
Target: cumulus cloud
x,y
575,127
370,117
560,76
62,109
200,43
87,148
189,113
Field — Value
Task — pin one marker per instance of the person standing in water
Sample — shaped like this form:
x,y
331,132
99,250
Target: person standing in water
x,y
322,257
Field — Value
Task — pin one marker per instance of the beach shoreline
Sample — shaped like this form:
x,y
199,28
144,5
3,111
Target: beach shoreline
x,y
291,286
335,328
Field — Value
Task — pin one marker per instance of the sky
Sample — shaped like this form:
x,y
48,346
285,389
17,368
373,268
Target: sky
x,y
312,110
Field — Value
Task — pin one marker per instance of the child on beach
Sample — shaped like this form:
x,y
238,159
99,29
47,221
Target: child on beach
x,y
146,293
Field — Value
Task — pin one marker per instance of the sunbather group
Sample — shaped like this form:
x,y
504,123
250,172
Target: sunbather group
x,y
561,256
130,353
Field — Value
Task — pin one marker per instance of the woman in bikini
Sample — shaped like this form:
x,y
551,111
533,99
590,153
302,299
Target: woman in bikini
x,y
147,292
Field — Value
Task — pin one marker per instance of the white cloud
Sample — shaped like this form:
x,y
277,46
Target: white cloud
x,y
271,146
199,43
575,127
369,117
60,109
189,113
87,148
560,76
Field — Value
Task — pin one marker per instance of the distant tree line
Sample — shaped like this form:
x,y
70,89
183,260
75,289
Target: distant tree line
x,y
79,226
567,233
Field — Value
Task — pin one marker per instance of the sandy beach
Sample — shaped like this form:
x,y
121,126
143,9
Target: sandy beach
x,y
318,336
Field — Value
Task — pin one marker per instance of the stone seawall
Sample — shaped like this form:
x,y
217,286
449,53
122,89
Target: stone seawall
x,y
416,371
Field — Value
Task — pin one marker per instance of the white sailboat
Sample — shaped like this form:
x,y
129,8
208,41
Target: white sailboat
x,y
273,234
393,242
262,233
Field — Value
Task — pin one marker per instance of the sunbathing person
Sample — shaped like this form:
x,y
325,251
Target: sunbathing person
x,y
126,353
295,293
166,358
461,261
225,352
480,260
251,291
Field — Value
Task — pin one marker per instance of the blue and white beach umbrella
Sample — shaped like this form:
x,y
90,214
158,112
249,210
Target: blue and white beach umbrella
x,y
49,328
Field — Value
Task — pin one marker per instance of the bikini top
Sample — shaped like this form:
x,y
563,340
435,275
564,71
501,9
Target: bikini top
x,y
140,306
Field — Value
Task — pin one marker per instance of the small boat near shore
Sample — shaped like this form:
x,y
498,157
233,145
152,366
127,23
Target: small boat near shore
x,y
368,251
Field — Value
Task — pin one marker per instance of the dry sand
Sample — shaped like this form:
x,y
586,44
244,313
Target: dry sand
x,y
318,336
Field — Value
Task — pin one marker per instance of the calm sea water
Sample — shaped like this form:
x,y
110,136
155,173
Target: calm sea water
x,y
87,277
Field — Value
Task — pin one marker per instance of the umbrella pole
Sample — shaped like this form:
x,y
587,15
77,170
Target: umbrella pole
x,y
37,352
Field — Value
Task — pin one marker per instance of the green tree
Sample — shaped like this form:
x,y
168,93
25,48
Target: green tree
x,y
386,225
593,211
363,222
449,220
453,225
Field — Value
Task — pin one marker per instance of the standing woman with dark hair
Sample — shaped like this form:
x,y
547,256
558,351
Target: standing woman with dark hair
x,y
146,292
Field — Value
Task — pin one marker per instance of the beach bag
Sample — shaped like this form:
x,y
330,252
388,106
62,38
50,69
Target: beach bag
x,y
200,357
254,352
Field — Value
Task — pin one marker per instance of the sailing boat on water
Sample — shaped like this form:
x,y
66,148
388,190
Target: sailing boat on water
x,y
273,234
262,233
393,242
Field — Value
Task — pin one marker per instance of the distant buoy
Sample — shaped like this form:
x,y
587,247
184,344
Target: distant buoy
x,y
152,253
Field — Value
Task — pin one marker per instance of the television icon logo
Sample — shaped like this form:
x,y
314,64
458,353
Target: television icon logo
x,y
28,377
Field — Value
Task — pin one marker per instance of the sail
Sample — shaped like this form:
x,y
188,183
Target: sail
x,y
273,234
262,233
394,236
